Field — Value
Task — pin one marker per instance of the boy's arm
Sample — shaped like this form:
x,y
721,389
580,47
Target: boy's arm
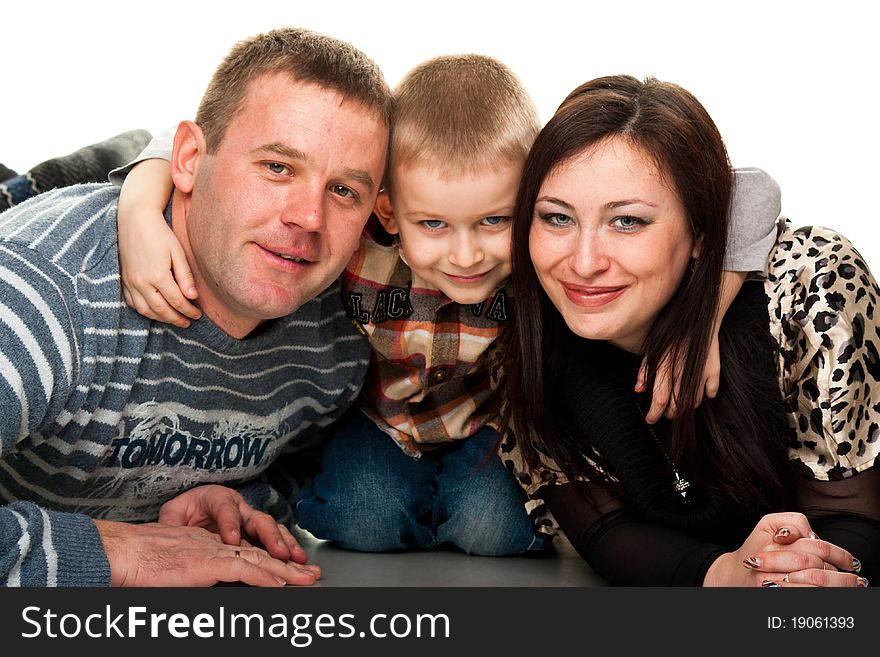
x,y
755,211
754,214
156,278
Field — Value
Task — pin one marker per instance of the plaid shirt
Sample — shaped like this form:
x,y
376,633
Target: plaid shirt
x,y
428,379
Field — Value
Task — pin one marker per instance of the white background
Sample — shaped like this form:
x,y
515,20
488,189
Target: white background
x,y
791,85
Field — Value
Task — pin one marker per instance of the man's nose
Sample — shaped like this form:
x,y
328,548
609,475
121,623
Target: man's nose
x,y
304,207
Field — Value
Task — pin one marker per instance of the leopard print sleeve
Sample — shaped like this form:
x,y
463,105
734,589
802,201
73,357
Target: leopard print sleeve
x,y
823,301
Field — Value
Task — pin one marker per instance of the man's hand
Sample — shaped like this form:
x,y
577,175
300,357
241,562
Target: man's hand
x,y
159,555
223,510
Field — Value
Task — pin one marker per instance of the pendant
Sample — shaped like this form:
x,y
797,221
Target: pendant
x,y
681,485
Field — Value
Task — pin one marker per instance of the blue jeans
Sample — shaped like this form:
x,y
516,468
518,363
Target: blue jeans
x,y
371,496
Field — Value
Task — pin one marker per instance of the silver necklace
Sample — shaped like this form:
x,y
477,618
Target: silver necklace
x,y
680,484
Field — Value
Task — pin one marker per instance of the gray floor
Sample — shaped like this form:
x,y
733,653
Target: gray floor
x,y
561,567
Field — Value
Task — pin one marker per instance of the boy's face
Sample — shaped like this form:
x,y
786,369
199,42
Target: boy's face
x,y
454,232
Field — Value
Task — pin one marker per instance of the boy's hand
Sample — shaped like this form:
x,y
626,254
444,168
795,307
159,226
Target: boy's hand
x,y
667,383
156,278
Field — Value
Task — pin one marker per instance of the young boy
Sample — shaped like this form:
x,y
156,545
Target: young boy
x,y
411,466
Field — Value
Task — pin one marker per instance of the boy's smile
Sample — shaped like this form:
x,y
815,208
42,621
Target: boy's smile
x,y
454,230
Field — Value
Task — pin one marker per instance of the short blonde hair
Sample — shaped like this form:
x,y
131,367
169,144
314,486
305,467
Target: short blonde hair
x,y
461,113
304,55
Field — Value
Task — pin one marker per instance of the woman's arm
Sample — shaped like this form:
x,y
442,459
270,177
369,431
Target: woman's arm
x,y
627,550
620,546
847,513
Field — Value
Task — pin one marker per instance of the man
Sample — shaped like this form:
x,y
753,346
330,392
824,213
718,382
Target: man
x,y
108,415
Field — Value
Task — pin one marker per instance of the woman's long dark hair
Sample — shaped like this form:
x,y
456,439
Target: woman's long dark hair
x,y
669,125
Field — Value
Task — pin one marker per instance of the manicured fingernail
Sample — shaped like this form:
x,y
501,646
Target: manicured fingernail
x,y
857,565
768,584
814,535
281,581
752,562
862,582
784,531
190,290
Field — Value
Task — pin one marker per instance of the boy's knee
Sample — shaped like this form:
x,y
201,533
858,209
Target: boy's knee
x,y
486,538
381,522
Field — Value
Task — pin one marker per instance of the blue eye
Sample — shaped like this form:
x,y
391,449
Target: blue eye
x,y
277,167
494,221
628,224
433,224
556,219
342,190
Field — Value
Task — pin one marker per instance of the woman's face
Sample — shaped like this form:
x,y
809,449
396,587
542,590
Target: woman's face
x,y
610,242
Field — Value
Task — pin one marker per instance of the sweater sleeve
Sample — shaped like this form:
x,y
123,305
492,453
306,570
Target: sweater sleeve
x,y
40,547
754,213
159,148
38,369
623,548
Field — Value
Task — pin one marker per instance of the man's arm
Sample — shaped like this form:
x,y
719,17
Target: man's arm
x,y
37,370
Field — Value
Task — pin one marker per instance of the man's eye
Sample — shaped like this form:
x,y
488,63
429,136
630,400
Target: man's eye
x,y
342,190
277,167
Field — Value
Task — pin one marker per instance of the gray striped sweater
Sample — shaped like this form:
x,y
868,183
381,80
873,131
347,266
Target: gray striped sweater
x,y
106,414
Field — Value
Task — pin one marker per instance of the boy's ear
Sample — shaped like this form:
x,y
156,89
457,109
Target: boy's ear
x,y
189,146
385,212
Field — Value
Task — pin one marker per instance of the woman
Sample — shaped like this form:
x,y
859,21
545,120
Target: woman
x,y
618,248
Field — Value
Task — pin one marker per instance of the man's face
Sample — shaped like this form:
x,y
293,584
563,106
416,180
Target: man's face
x,y
277,211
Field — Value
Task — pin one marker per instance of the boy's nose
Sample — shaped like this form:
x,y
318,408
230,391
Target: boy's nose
x,y
466,253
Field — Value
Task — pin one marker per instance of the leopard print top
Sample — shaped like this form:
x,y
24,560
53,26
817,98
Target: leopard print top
x,y
822,308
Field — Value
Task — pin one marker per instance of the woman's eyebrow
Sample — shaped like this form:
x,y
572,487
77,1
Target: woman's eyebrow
x,y
555,201
630,201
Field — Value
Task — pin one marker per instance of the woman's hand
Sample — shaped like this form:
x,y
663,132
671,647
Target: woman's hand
x,y
224,511
782,550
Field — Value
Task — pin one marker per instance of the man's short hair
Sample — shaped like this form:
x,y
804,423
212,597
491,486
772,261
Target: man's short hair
x,y
462,113
304,55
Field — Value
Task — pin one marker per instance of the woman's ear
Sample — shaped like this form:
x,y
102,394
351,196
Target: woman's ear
x,y
698,247
385,212
189,145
